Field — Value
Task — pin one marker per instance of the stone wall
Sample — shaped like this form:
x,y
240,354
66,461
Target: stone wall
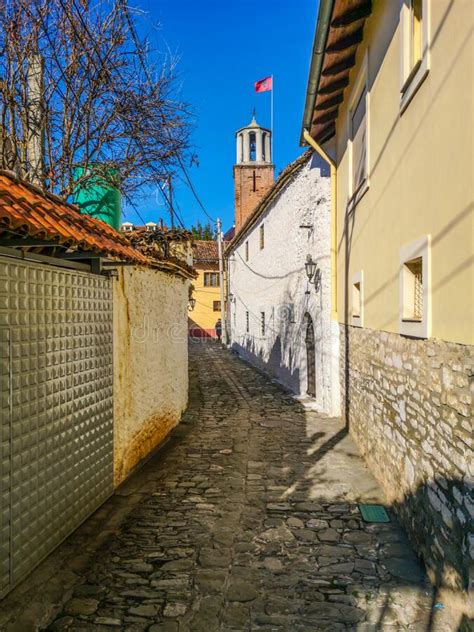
x,y
150,362
408,403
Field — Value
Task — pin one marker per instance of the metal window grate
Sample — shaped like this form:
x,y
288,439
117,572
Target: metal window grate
x,y
416,269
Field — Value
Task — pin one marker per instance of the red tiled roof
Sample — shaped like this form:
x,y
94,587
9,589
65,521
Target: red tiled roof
x,y
26,211
205,250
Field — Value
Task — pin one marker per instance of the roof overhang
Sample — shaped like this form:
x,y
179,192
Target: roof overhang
x,y
339,31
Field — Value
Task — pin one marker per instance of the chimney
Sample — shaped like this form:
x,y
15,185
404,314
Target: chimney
x,y
35,141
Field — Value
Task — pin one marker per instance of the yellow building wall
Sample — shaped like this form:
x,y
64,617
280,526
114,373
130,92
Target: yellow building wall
x,y
421,173
203,315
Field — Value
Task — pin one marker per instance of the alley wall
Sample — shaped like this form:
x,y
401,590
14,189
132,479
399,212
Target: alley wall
x,y
273,282
150,362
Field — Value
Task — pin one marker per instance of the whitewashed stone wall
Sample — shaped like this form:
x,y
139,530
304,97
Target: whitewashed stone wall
x,y
274,281
408,404
150,362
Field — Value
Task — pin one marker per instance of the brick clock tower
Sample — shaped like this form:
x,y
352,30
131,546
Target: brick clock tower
x,y
254,170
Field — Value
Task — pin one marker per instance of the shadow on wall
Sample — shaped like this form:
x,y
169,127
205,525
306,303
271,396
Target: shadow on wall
x,y
274,366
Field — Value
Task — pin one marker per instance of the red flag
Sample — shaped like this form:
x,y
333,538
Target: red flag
x,y
264,84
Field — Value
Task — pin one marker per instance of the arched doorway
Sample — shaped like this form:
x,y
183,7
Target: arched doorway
x,y
310,357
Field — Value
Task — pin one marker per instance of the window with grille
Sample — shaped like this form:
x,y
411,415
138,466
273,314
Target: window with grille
x,y
262,323
216,306
262,237
247,322
356,300
413,289
211,279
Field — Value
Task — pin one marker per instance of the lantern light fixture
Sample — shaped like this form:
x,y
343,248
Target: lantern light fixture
x,y
313,272
192,304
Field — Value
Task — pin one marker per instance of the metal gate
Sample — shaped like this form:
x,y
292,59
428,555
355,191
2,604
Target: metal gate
x,y
56,421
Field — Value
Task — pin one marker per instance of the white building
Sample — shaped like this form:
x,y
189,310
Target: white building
x,y
277,319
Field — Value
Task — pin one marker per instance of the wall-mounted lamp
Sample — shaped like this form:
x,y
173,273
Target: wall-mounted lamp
x,y
192,304
313,272
231,298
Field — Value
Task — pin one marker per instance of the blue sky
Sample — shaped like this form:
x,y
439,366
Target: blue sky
x,y
225,46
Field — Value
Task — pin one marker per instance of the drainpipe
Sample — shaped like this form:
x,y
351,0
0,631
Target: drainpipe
x,y
319,150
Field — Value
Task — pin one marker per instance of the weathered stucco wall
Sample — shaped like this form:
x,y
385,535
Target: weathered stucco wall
x,y
150,362
274,281
408,404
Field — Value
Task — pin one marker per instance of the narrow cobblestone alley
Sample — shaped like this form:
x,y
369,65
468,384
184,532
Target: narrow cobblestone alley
x,y
247,520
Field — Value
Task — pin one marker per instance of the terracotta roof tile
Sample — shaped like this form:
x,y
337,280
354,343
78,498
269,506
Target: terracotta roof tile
x,y
25,211
205,250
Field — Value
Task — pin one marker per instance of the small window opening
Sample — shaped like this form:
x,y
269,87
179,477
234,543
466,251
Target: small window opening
x,y
356,300
216,306
253,146
211,279
413,289
416,18
262,323
262,237
246,251
247,322
359,142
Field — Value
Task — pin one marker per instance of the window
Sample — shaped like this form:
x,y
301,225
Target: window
x,y
262,237
247,322
357,299
415,288
359,142
211,279
358,133
262,323
216,306
414,47
246,251
253,146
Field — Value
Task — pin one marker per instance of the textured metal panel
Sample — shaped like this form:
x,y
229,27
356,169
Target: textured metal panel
x,y
61,424
5,438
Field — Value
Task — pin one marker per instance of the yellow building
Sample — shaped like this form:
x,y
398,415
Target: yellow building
x,y
207,310
390,102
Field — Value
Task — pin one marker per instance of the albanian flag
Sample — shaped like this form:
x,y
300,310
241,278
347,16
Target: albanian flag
x,y
264,84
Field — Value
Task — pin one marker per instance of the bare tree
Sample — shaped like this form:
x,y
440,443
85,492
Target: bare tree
x,y
77,91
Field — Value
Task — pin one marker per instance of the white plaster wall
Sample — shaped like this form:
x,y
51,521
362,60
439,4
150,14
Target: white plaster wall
x,y
274,281
150,361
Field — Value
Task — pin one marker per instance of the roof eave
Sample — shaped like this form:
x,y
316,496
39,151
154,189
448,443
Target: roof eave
x,y
319,46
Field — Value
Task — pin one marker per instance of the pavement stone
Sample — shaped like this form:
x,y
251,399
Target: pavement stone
x,y
246,519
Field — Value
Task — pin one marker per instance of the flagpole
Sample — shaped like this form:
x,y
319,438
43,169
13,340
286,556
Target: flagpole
x,y
271,118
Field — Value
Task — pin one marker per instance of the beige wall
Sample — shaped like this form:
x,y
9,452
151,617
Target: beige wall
x,y
150,362
421,172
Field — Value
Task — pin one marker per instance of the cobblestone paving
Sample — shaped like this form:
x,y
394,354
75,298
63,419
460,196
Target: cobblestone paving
x,y
248,521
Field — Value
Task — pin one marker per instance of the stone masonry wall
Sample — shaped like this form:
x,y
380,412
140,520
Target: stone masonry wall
x,y
408,403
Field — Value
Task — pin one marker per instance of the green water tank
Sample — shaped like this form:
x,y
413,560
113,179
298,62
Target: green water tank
x,y
98,196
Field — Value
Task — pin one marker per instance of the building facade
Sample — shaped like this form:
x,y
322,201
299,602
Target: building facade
x,y
206,291
390,100
277,319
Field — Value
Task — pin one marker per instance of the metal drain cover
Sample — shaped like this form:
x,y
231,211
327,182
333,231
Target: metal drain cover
x,y
374,513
